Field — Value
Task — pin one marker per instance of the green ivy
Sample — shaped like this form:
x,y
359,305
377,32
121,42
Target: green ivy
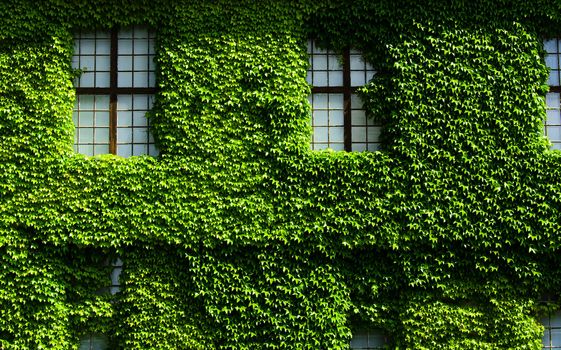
x,y
238,236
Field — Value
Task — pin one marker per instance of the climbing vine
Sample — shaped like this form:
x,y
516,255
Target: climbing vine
x,y
238,236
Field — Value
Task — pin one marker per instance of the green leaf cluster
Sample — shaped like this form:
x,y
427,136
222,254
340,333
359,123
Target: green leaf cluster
x,y
238,236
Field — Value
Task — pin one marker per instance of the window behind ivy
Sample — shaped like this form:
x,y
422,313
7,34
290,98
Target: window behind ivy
x,y
338,116
114,91
552,126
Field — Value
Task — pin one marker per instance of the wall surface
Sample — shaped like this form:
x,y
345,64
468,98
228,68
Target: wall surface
x,y
238,236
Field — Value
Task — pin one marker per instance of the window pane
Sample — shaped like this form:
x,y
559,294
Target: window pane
x,y
368,339
327,121
552,125
91,118
133,129
325,67
93,342
135,58
552,331
91,55
365,133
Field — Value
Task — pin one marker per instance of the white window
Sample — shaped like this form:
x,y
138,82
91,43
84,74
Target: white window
x,y
552,126
114,91
552,333
338,117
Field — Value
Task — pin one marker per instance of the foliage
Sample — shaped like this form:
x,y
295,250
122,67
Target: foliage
x,y
237,235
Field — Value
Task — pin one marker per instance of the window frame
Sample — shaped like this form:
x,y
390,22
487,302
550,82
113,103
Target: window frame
x,y
348,90
114,90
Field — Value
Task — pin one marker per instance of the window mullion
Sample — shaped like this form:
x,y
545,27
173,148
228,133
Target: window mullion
x,y
347,99
113,92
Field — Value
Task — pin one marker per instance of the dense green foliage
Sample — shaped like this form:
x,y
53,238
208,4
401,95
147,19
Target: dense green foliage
x,y
240,237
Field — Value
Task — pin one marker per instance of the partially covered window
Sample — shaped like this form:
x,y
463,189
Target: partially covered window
x,y
338,116
114,91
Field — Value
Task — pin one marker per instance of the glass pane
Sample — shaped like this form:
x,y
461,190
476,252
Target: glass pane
x,y
319,79
124,79
335,78
124,63
336,118
336,134
320,118
321,134
124,150
140,46
550,45
125,47
124,135
319,62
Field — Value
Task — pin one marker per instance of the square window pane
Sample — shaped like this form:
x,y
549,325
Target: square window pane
x,y
320,101
87,150
552,100
124,150
335,78
358,117
140,135
358,78
103,47
139,150
124,118
336,118
140,46
102,79
553,79
124,79
124,63
86,47
358,134
139,118
551,60
85,118
319,79
102,102
321,134
320,118
336,134
336,101
124,135
101,135
554,133
140,79
124,102
358,147
333,63
550,46
86,79
319,62
85,135
141,63
125,47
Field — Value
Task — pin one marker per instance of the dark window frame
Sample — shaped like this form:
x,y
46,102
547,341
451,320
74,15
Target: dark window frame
x,y
114,90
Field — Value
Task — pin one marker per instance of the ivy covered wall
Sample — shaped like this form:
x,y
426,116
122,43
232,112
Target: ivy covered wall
x,y
238,236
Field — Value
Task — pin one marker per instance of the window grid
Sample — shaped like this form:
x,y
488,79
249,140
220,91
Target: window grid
x,y
552,330
92,55
93,342
328,121
91,119
335,78
371,339
133,129
127,75
552,125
